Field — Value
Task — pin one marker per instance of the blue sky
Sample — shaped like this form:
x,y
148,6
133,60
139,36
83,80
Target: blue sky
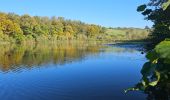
x,y
110,13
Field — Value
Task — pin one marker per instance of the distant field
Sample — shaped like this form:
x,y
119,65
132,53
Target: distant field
x,y
115,32
127,33
124,31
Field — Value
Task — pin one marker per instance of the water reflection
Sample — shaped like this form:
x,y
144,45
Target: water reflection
x,y
14,56
69,71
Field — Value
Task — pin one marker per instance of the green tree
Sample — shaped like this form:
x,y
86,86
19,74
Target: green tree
x,y
156,72
68,31
27,24
158,11
8,27
57,26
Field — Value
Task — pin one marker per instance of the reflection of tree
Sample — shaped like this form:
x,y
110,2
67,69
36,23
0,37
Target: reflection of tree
x,y
16,56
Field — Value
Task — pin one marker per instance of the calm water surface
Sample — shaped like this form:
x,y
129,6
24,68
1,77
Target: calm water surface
x,y
69,72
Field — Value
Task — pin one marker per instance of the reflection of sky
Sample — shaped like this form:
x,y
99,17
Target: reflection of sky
x,y
125,52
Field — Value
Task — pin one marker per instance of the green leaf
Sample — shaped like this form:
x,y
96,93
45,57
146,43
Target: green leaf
x,y
154,83
147,12
148,69
166,5
141,8
131,89
163,50
152,55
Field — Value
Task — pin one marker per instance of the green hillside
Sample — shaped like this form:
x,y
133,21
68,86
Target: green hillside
x,y
127,33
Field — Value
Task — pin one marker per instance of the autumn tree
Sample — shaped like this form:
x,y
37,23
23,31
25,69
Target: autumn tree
x,y
9,27
27,24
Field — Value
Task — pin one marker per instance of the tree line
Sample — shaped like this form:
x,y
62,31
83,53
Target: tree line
x,y
25,28
19,28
